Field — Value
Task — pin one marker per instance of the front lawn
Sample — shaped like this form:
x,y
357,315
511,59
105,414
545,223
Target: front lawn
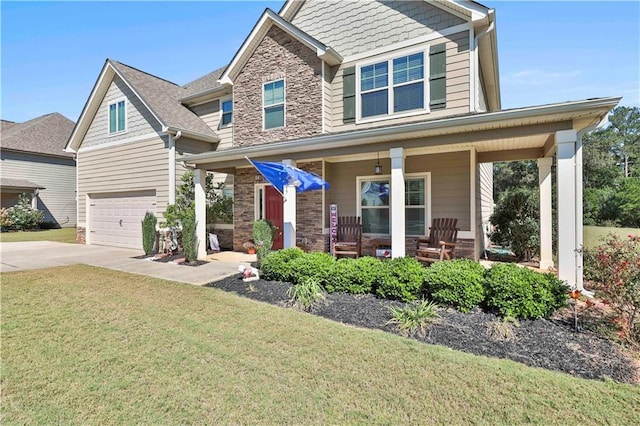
x,y
593,235
62,235
88,345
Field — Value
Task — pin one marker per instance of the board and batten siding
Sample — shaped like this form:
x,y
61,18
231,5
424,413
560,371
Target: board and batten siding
x,y
57,175
135,166
352,27
139,121
450,183
210,113
457,86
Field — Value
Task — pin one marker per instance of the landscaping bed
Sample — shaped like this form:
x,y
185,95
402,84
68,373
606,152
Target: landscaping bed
x,y
546,343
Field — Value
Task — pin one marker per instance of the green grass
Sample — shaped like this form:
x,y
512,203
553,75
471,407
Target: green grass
x,y
593,234
85,345
63,235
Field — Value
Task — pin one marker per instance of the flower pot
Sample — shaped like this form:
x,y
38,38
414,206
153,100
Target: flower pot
x,y
251,251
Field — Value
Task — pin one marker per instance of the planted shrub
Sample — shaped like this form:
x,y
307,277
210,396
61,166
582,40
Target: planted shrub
x,y
306,293
263,239
403,279
614,270
356,276
5,221
148,232
457,283
276,266
22,216
512,291
189,239
415,318
312,265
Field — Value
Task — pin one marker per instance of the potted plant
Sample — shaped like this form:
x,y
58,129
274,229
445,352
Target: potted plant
x,y
249,247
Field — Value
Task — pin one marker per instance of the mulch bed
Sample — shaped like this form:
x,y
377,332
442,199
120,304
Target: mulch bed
x,y
177,258
546,343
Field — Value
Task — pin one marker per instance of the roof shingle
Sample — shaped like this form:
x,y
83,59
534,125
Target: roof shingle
x,y
47,134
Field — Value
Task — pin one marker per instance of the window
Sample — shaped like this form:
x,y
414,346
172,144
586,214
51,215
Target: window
x,y
374,205
117,114
227,112
273,104
382,95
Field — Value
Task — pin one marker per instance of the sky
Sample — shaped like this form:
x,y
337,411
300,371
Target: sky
x,y
52,52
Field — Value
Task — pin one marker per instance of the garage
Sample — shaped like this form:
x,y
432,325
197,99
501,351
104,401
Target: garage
x,y
115,218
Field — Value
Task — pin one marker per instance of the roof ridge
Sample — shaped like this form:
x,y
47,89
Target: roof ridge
x,y
144,72
187,84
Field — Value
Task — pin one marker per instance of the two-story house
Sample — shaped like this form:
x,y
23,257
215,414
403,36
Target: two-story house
x,y
396,104
32,162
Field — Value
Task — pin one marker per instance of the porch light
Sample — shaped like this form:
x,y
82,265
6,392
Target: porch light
x,y
378,168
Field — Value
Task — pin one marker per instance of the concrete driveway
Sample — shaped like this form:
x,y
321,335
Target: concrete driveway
x,y
47,254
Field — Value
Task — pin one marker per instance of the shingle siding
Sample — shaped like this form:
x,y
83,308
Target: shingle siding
x,y
370,24
139,120
457,86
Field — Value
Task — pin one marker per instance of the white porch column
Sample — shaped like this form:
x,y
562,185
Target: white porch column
x,y
397,202
200,178
34,199
579,216
566,178
172,169
544,181
289,212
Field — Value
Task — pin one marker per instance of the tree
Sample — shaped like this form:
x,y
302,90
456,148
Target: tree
x,y
516,221
625,125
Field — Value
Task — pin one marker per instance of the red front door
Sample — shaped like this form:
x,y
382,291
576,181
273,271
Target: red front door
x,y
273,213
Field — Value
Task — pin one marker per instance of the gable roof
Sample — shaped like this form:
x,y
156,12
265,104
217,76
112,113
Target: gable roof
x,y
161,97
269,18
5,124
46,134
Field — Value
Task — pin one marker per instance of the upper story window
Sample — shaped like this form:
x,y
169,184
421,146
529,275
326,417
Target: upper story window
x,y
273,104
397,86
226,108
117,117
392,86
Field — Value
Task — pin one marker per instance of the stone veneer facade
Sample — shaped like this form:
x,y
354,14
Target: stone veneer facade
x,y
308,212
279,56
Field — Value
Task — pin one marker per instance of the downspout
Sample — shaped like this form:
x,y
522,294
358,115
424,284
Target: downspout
x,y
172,165
476,62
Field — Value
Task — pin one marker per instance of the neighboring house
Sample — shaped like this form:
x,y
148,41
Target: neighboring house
x,y
336,88
33,161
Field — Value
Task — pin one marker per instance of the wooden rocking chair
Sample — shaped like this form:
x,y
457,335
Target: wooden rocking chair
x,y
441,243
348,242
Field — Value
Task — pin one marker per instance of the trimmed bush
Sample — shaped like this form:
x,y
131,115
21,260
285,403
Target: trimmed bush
x,y
512,291
312,265
22,216
263,238
276,266
189,239
403,279
457,283
148,232
356,276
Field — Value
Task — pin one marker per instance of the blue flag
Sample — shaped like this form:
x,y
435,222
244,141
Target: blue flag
x,y
279,175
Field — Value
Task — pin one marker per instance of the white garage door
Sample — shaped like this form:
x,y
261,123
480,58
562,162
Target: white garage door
x,y
115,219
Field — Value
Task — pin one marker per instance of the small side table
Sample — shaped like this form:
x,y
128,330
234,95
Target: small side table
x,y
382,248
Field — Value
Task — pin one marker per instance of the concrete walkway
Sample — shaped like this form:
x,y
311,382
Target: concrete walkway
x,y
46,254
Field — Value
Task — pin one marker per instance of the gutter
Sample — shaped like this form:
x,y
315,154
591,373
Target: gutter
x,y
476,61
204,93
362,137
194,135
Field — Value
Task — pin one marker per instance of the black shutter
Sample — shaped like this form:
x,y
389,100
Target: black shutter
x,y
349,95
438,76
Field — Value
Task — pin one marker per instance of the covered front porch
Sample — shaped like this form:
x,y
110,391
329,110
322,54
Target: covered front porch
x,y
440,168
